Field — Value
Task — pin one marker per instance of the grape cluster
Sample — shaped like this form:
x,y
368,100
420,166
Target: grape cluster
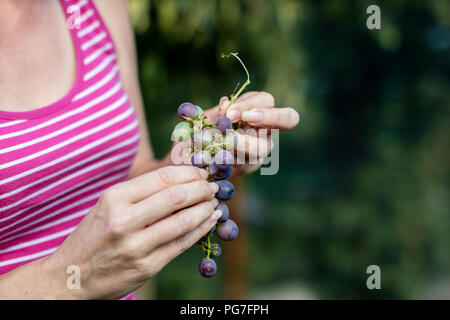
x,y
210,148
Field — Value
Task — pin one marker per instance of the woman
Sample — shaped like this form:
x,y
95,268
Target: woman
x,y
79,187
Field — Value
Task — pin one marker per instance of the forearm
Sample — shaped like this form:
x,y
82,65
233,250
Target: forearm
x,y
151,164
144,167
37,280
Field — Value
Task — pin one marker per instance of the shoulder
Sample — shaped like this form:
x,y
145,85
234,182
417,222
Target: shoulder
x,y
112,11
115,15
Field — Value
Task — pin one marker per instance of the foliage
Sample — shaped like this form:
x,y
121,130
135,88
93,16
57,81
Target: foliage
x,y
364,179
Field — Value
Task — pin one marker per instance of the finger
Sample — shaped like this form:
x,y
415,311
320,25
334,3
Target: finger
x,y
275,118
248,94
212,113
258,100
252,149
141,187
178,225
169,200
224,103
169,251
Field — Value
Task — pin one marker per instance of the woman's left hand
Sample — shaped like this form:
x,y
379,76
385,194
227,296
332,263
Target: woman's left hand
x,y
256,110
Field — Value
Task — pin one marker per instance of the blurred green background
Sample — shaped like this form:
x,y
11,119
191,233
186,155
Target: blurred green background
x,y
364,179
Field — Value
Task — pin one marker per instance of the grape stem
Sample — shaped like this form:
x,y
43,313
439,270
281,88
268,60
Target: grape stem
x,y
235,96
209,246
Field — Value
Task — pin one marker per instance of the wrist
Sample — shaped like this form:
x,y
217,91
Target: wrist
x,y
60,281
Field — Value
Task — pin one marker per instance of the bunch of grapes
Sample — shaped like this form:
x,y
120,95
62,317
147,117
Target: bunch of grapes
x,y
211,147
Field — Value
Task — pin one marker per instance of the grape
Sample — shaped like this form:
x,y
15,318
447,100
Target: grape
x,y
230,140
220,172
225,212
203,239
182,132
228,230
200,159
223,157
184,124
207,268
216,250
200,111
222,124
202,139
226,190
188,110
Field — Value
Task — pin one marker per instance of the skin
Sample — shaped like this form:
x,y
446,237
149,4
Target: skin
x,y
131,233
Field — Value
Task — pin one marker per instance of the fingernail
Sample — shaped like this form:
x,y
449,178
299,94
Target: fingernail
x,y
222,100
252,116
214,187
218,213
233,115
203,173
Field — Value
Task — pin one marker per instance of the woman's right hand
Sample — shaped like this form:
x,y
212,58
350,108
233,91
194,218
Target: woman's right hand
x,y
132,233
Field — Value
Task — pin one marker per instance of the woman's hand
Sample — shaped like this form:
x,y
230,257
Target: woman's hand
x,y
256,110
132,233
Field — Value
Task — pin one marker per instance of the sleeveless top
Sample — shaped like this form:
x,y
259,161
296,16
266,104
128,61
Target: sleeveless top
x,y
56,160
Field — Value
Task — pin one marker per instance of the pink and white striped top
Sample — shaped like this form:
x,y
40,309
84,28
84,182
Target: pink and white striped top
x,y
55,161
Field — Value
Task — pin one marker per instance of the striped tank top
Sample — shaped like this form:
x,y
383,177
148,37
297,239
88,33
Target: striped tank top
x,y
55,161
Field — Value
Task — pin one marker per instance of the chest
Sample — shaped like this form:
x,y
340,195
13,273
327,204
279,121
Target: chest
x,y
37,59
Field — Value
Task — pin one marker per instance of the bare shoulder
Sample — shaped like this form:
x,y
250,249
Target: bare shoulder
x,y
114,12
115,15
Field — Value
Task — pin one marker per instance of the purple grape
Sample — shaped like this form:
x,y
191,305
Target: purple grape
x,y
222,124
188,110
216,250
207,268
203,239
228,230
200,159
226,190
225,212
223,157
220,172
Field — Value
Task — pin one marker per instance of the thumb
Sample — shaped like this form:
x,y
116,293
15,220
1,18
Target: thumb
x,y
224,103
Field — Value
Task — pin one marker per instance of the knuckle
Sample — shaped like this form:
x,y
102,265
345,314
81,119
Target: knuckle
x,y
184,222
269,98
176,195
196,173
279,115
204,187
182,243
133,250
210,207
115,226
110,196
165,176
204,229
192,173
263,147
